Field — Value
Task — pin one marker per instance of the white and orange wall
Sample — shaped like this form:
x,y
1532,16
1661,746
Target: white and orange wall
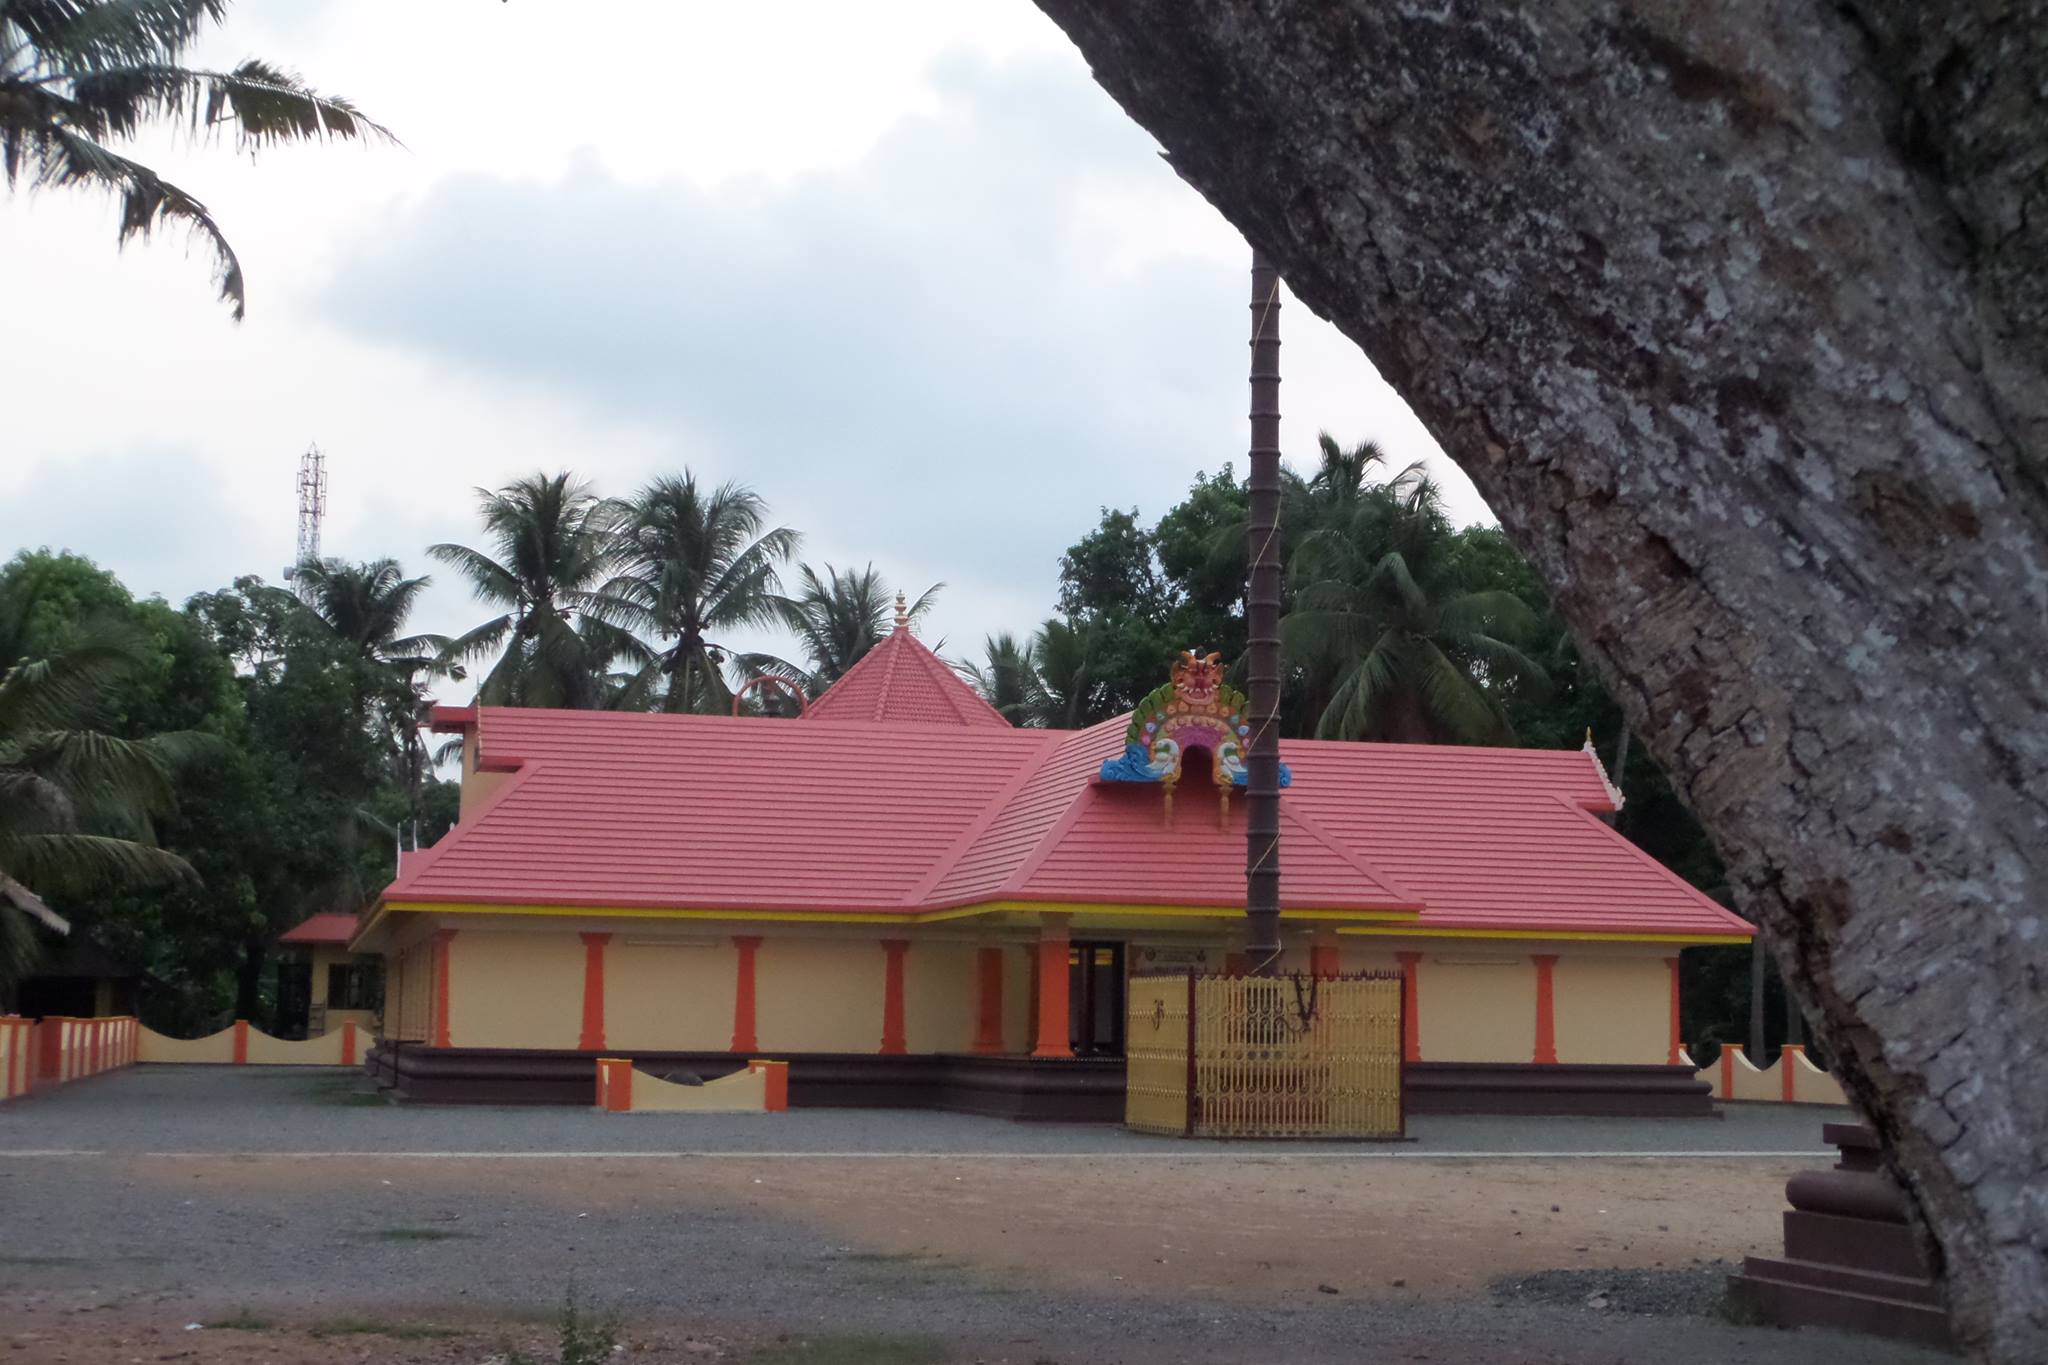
x,y
54,1050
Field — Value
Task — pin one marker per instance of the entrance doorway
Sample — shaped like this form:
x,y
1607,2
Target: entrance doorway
x,y
1095,999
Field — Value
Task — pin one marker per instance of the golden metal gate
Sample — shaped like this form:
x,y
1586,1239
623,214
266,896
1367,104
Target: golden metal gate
x,y
1264,1057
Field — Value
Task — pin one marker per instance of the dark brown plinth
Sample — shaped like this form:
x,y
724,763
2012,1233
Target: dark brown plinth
x,y
1850,1260
1517,1088
1083,1090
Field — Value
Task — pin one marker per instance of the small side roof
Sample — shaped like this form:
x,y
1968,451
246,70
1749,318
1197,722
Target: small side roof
x,y
329,927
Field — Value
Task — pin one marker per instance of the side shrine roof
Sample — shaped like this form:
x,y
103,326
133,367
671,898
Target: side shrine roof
x,y
841,816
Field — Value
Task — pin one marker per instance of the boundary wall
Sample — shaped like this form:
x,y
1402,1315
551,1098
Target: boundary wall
x,y
762,1088
241,1044
56,1049
1789,1080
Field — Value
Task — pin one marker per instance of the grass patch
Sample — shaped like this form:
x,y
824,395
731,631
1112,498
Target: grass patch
x,y
372,1327
418,1235
852,1349
54,1261
242,1321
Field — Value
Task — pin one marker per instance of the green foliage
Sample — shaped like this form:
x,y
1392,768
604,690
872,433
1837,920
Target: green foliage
x,y
693,565
80,801
553,547
839,616
78,75
582,1338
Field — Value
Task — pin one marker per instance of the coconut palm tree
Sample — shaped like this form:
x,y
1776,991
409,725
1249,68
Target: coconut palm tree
x,y
1385,630
78,75
368,605
76,805
553,546
840,616
1008,679
692,565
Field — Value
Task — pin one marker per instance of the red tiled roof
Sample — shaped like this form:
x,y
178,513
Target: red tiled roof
x,y
900,680
324,928
616,810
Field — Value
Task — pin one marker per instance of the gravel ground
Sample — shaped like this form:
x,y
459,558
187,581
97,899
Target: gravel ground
x,y
1698,1290
788,1227
291,1109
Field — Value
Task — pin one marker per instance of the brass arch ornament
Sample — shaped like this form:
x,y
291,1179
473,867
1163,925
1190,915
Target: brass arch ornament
x,y
768,680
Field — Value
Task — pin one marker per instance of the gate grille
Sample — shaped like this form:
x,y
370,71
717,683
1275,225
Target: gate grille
x,y
1265,1057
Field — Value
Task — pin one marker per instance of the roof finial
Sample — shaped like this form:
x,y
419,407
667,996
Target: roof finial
x,y
902,611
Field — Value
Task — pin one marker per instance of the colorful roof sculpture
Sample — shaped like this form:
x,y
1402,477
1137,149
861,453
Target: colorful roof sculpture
x,y
850,816
1196,712
901,681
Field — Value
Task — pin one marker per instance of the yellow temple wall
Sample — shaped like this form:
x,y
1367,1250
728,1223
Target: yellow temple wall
x,y
1613,1009
673,987
667,995
821,994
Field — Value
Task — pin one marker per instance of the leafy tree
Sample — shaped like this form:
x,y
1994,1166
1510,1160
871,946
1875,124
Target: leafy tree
x,y
1394,640
78,805
553,548
694,564
78,75
1008,678
840,616
311,759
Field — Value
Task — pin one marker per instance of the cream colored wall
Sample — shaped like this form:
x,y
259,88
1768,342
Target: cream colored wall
x,y
1477,1006
1612,1009
667,995
477,787
515,989
151,1046
821,995
941,997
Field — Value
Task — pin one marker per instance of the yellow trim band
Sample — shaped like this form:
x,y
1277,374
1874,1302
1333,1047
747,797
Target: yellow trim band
x,y
1566,935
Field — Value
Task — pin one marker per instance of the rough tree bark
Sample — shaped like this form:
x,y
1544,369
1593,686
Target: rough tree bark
x,y
1737,315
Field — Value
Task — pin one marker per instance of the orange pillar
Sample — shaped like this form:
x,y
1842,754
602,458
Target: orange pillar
x,y
1052,993
988,1033
52,1030
743,1039
348,1043
1788,1070
892,996
1727,1071
1546,1009
241,1042
1411,1007
592,1039
442,1033
1671,1058
1324,958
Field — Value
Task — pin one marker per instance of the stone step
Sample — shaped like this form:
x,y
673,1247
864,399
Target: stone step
x,y
1788,1304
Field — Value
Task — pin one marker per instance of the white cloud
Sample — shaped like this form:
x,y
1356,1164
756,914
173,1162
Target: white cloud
x,y
906,270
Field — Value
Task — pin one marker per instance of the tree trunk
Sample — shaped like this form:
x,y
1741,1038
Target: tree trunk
x,y
1262,631
249,981
1734,314
1757,980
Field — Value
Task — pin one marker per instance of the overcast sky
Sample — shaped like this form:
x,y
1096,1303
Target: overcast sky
x,y
900,266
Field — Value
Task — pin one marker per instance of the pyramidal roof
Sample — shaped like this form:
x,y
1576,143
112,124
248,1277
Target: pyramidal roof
x,y
901,682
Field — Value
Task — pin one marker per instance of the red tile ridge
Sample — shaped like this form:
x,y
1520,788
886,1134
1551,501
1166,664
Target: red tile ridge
x,y
990,813
1737,924
1403,899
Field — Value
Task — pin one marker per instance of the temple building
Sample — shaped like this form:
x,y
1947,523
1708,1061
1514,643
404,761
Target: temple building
x,y
915,903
